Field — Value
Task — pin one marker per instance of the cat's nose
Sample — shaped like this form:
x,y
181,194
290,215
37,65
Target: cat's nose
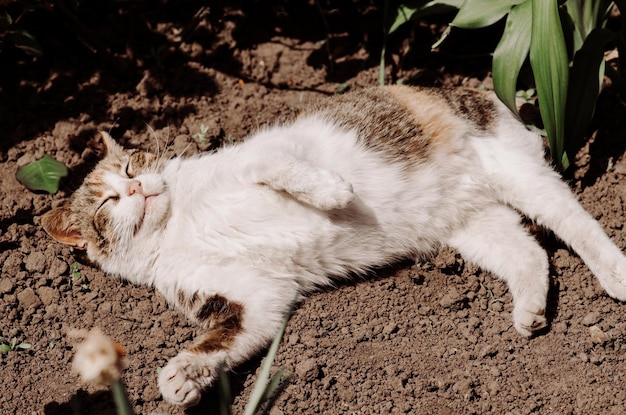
x,y
134,187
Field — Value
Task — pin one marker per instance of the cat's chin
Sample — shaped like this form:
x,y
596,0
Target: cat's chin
x,y
148,203
155,210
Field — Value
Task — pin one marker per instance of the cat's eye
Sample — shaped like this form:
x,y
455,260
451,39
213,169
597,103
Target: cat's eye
x,y
112,198
130,172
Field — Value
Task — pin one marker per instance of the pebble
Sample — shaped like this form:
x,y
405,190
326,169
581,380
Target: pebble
x,y
451,299
308,370
28,298
12,264
591,318
597,335
390,328
35,262
6,286
57,268
48,295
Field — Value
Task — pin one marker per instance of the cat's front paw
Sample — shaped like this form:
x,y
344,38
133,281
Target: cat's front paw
x,y
328,191
181,382
529,318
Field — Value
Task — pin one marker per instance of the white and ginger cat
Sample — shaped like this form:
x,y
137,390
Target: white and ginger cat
x,y
235,238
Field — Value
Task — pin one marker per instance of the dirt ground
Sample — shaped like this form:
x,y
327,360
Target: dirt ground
x,y
430,338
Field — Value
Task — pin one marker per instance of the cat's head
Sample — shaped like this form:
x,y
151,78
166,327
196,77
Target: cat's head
x,y
122,201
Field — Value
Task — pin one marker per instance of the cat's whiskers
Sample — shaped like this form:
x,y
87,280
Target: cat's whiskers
x,y
155,137
184,150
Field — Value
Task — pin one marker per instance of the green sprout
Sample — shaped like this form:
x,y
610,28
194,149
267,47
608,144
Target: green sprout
x,y
75,277
201,136
12,345
527,95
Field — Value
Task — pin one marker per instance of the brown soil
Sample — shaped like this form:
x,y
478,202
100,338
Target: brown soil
x,y
431,338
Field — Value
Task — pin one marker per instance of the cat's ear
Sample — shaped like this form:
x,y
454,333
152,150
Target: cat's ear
x,y
110,146
58,225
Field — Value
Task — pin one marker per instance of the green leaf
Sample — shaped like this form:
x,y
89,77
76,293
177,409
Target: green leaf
x,y
586,74
511,52
550,64
5,21
224,392
482,13
44,174
403,15
120,397
421,8
261,385
5,348
273,384
25,41
24,346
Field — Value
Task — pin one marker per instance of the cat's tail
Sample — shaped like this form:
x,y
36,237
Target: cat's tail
x,y
523,180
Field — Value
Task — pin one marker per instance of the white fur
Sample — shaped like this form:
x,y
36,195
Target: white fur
x,y
266,221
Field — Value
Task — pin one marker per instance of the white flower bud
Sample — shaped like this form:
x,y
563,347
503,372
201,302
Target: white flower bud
x,y
98,358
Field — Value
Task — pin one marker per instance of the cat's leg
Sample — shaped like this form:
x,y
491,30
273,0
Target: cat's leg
x,y
554,206
522,179
234,332
494,239
315,186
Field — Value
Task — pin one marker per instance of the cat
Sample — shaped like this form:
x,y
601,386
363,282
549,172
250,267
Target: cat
x,y
237,237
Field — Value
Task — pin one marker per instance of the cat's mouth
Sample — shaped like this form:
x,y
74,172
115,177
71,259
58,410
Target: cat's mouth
x,y
148,202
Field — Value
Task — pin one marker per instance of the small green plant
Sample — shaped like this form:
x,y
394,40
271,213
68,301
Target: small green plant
x,y
76,277
527,95
12,345
20,38
201,135
43,174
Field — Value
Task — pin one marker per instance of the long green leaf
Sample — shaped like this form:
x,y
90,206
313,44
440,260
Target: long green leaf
x,y
261,385
25,41
548,59
586,75
421,8
224,392
120,397
511,53
44,174
403,15
273,384
482,13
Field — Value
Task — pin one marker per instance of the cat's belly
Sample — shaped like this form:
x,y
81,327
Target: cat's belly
x,y
261,228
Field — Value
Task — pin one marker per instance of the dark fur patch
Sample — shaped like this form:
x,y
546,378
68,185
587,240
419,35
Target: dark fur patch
x,y
469,104
381,122
224,321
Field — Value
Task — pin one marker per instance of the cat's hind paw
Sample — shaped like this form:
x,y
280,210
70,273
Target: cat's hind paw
x,y
614,282
529,320
179,381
